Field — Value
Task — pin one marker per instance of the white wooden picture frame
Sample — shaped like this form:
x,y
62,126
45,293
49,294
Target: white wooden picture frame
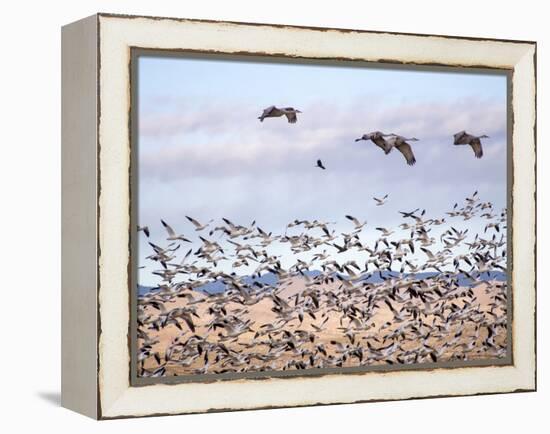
x,y
96,213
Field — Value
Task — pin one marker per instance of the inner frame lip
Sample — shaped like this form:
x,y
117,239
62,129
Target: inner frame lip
x,y
335,62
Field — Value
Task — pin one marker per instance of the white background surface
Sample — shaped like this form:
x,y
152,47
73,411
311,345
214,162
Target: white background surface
x,y
30,216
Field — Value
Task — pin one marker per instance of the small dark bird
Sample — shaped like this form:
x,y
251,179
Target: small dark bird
x,y
320,165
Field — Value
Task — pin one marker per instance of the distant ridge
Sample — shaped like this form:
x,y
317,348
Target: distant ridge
x,y
376,277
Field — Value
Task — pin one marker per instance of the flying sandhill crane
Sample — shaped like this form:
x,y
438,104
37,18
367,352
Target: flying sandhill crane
x,y
275,112
463,138
377,137
400,142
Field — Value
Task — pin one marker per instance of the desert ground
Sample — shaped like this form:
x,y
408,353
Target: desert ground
x,y
349,325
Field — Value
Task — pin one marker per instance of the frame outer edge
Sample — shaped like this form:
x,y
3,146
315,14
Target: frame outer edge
x,y
79,218
115,415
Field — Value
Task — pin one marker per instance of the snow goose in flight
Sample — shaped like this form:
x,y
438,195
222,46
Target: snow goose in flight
x,y
198,226
382,201
356,222
172,236
145,230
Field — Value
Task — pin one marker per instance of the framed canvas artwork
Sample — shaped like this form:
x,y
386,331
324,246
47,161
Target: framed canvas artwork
x,y
260,216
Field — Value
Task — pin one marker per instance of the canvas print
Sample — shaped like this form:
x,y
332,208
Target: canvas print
x,y
303,218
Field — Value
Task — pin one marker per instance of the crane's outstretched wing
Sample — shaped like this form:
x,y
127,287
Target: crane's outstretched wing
x,y
478,149
382,144
407,152
268,111
292,118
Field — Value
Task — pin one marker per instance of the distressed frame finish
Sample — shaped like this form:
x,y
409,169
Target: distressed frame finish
x,y
97,208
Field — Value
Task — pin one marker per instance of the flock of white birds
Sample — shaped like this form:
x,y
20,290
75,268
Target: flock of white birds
x,y
348,298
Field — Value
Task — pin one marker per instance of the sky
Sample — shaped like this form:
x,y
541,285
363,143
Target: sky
x,y
202,151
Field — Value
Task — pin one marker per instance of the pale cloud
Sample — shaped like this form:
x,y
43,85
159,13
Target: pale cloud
x,y
218,164
218,143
